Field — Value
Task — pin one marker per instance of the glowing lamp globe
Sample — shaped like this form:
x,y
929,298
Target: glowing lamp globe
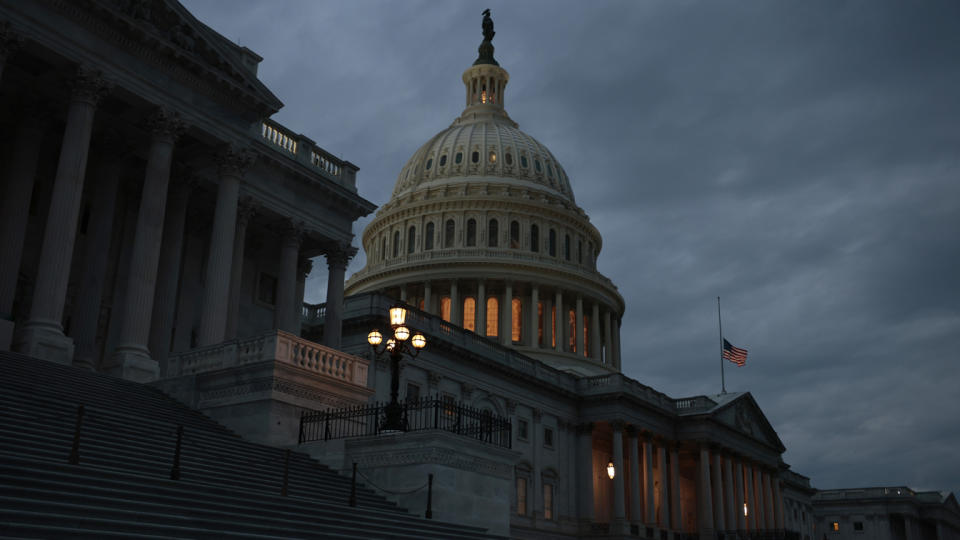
x,y
418,341
402,333
375,338
611,470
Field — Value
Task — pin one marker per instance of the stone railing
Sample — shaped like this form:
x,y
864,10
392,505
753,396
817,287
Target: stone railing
x,y
303,150
694,404
313,313
619,383
275,346
515,255
862,493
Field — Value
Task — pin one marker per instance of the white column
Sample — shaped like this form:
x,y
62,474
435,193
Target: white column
x,y
675,510
506,314
636,508
585,458
729,501
42,335
751,498
131,359
481,324
337,261
456,307
533,326
717,483
18,179
649,515
168,273
619,510
595,345
86,312
664,518
607,339
245,212
739,496
558,308
403,293
778,505
768,502
616,343
578,327
758,501
548,322
232,163
427,297
704,499
284,317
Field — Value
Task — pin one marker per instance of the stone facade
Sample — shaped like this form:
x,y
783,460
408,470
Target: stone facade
x,y
887,513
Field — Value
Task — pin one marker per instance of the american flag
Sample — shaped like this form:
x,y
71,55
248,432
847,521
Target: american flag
x,y
734,354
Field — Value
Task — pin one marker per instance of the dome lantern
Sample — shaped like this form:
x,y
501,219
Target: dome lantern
x,y
485,79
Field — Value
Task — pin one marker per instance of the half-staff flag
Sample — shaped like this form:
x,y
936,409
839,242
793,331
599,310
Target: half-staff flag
x,y
734,354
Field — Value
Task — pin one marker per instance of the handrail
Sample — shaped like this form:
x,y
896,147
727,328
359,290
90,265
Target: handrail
x,y
302,149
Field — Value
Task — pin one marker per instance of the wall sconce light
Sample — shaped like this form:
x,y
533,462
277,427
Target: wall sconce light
x,y
611,470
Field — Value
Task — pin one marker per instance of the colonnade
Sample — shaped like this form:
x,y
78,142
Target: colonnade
x,y
146,304
653,487
527,317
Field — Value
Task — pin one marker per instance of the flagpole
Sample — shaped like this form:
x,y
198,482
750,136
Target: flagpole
x,y
723,382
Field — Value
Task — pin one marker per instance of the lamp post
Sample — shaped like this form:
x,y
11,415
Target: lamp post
x,y
401,343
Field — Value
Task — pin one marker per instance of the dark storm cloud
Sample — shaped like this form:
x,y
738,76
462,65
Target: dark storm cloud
x,y
800,160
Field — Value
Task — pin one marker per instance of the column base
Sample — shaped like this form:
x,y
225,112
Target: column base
x,y
133,363
6,335
45,339
620,526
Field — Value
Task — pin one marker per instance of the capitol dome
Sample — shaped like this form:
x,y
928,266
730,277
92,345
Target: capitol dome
x,y
483,229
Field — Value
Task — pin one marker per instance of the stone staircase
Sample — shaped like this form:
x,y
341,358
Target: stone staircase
x,y
121,485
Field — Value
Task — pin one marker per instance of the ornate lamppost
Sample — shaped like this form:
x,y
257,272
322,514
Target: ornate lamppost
x,y
401,343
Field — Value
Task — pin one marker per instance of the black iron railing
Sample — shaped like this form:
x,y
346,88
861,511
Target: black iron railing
x,y
418,415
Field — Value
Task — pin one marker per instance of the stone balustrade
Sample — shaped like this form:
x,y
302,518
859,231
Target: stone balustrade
x,y
303,150
275,346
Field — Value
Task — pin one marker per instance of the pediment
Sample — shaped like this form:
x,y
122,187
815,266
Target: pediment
x,y
167,29
744,415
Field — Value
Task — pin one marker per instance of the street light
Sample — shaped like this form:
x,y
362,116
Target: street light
x,y
399,344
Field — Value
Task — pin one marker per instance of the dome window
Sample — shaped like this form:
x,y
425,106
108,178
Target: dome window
x,y
549,170
429,163
493,157
411,238
536,164
428,236
443,160
534,238
493,232
459,158
471,232
515,234
523,161
475,157
508,158
448,233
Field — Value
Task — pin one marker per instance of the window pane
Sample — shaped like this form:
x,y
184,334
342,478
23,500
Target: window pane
x,y
548,501
493,316
396,243
471,232
411,239
428,239
516,307
515,235
449,230
469,313
553,243
522,496
534,238
492,233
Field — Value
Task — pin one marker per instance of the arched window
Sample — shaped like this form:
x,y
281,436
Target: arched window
x,y
515,234
553,243
475,157
469,313
443,160
383,247
566,247
429,163
396,243
448,233
492,233
411,238
516,307
458,158
493,316
445,308
579,251
428,239
523,161
534,238
471,232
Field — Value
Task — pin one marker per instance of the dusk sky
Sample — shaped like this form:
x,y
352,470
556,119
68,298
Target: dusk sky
x,y
801,160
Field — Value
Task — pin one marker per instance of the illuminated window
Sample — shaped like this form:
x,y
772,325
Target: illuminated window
x,y
443,160
448,233
534,238
492,233
522,496
471,232
548,501
411,238
493,316
515,234
540,324
835,526
428,238
553,243
458,159
572,327
493,157
469,313
445,308
516,306
475,157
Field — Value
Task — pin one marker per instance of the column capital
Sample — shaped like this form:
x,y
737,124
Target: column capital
x,y
339,255
537,415
617,425
293,231
89,86
304,266
511,405
234,160
247,207
165,124
584,428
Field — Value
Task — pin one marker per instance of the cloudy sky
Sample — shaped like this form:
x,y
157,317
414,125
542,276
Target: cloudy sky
x,y
801,160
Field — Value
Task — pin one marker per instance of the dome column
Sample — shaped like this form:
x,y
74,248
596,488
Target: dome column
x,y
616,343
427,297
558,318
595,344
579,328
455,309
534,324
506,314
481,324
